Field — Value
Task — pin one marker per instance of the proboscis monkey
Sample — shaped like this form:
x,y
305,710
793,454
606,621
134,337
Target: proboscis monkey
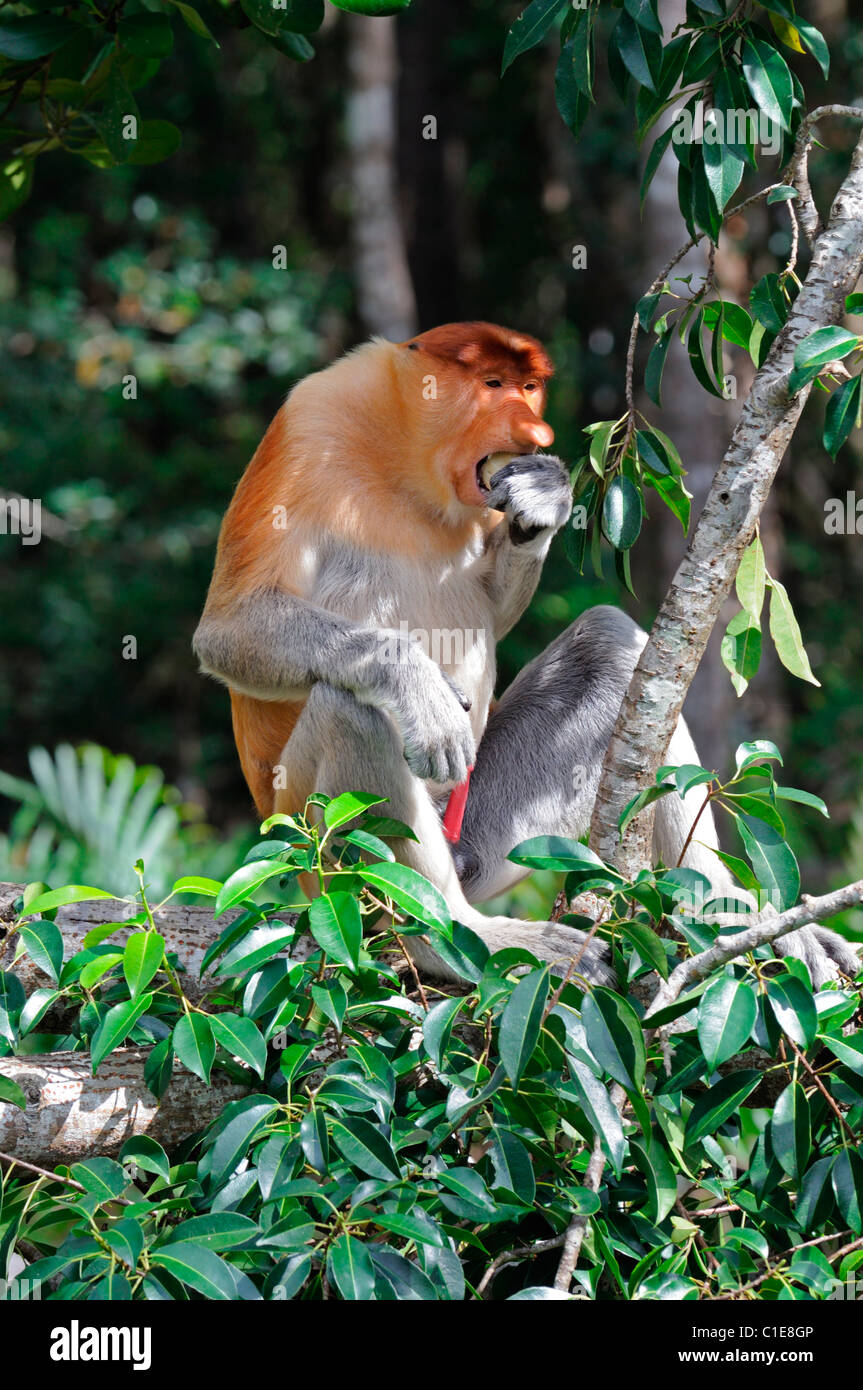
x,y
366,569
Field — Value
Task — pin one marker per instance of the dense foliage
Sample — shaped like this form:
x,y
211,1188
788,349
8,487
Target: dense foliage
x,y
402,1141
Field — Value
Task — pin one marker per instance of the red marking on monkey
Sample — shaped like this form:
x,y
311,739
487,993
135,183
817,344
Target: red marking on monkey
x,y
454,813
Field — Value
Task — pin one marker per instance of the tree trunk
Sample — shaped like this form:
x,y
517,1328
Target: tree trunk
x,y
385,294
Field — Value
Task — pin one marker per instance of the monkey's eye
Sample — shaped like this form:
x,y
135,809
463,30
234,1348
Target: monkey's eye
x,y
530,386
494,382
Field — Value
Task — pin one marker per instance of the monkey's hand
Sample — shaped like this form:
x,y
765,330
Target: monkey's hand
x,y
431,714
534,493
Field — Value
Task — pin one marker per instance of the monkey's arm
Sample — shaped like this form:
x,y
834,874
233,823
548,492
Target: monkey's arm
x,y
535,495
275,646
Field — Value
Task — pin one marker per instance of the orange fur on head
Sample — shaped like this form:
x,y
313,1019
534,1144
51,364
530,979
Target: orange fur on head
x,y
379,451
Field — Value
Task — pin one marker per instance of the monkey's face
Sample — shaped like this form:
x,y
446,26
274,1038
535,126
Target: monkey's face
x,y
484,393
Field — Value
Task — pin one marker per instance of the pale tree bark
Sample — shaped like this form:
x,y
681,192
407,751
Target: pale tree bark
x,y
385,295
72,1114
686,618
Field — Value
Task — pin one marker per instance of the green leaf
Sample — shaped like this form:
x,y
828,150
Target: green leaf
x,y
772,860
782,193
640,49
622,512
146,1153
256,948
102,1177
847,1177
159,1067
740,650
793,1008
815,1200
513,1170
557,852
293,16
336,925
370,843
240,1122
769,304
365,1148
715,1106
115,1026
817,349
437,1027
653,1161
194,1044
572,103
350,1268
758,807
593,1098
653,378
245,882
842,415
141,959
726,1015
702,368
11,1093
791,1130
848,1050
769,80
241,1038
804,798
16,180
814,40
372,7
126,1239
786,636
724,172
638,803
44,942
409,891
350,804
752,578
614,1037
651,451
217,1230
34,36
530,29
157,140
520,1023
193,20
196,1266
758,750
62,897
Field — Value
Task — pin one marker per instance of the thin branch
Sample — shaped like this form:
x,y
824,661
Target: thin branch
x,y
797,172
768,926
578,1225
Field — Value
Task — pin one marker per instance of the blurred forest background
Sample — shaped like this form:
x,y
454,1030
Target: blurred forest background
x,y
167,272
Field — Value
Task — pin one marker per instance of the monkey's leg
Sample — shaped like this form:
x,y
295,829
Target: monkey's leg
x,y
538,767
341,745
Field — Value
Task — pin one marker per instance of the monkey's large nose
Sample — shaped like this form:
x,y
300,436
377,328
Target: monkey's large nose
x,y
527,429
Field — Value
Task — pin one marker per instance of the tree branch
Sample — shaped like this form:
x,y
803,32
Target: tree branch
x,y
768,926
727,523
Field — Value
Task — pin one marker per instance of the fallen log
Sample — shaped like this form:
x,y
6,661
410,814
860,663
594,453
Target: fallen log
x,y
187,930
72,1114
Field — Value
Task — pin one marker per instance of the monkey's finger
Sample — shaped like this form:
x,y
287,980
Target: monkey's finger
x,y
457,692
